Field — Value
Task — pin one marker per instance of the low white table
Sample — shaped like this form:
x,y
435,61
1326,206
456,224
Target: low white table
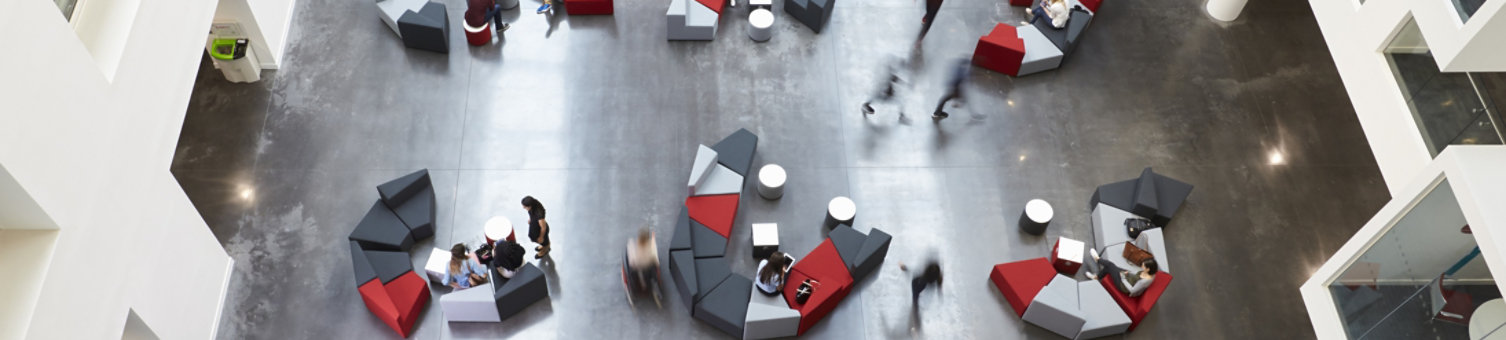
x,y
498,228
760,26
765,239
841,210
1037,215
771,176
438,264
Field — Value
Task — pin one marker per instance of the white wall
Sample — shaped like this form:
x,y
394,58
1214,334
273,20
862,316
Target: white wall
x,y
1357,34
93,153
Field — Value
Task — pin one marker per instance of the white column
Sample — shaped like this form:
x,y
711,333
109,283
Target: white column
x,y
1225,10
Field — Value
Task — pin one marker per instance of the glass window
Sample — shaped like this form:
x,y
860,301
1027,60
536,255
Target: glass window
x,y
1450,108
67,6
1467,8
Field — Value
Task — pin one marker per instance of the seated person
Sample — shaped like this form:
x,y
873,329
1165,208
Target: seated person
x,y
643,260
772,271
463,273
507,256
1132,284
1056,10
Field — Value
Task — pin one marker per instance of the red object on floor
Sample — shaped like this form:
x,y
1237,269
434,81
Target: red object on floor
x,y
1092,5
410,293
1022,3
1001,50
380,304
1020,281
825,266
1139,306
714,211
478,36
714,5
588,7
1063,266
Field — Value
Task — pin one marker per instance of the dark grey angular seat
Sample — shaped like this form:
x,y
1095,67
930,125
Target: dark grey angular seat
x,y
1144,202
848,242
871,255
681,238
736,151
362,267
388,265
1170,195
1152,196
1119,194
706,243
411,197
382,230
427,29
813,13
726,307
682,271
526,287
710,272
1065,38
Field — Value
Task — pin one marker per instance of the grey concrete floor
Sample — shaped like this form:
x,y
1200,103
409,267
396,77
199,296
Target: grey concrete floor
x,y
598,117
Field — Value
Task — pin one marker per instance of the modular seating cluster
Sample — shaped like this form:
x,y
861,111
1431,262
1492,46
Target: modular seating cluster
x,y
729,301
1058,303
693,19
422,24
812,13
1033,48
378,249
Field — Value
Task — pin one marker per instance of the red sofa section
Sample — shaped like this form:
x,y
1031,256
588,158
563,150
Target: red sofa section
x,y
588,7
1001,50
1092,5
1020,281
824,265
714,211
1138,307
397,303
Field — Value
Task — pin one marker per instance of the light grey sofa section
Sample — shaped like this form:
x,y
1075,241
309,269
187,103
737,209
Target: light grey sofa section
x,y
1103,316
391,10
1108,226
1040,53
470,305
690,20
1056,308
770,317
1150,240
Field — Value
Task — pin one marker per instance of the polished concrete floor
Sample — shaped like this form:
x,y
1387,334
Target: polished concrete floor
x,y
598,117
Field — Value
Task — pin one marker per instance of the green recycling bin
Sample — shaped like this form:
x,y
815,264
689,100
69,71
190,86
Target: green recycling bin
x,y
233,57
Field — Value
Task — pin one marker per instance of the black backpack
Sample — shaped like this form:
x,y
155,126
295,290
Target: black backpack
x,y
1135,225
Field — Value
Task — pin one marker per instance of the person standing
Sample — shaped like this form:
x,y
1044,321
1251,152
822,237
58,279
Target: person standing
x,y
538,228
931,274
925,22
886,92
960,73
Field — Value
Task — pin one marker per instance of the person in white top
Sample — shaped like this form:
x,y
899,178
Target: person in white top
x,y
772,271
643,259
1056,10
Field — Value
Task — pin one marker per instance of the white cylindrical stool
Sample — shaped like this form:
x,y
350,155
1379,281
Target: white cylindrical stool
x,y
771,181
840,210
1037,215
498,228
760,23
1225,10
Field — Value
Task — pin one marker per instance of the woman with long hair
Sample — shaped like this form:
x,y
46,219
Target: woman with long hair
x,y
463,272
538,228
772,271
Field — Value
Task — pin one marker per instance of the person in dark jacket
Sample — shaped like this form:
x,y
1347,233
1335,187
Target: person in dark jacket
x,y
960,73
538,228
507,257
480,11
930,274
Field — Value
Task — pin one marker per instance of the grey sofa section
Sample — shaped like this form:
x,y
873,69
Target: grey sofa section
x,y
812,13
1040,53
707,243
726,307
1056,308
389,264
736,151
411,197
475,304
871,255
362,267
380,229
1152,195
526,287
690,20
682,271
847,241
1102,315
427,29
1065,38
681,238
1119,194
709,273
1151,241
769,317
1108,225
399,190
390,10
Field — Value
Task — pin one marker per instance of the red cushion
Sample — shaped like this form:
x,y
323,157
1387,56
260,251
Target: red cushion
x,y
1020,281
1092,5
588,7
380,304
1139,306
1001,50
410,293
1025,3
714,211
824,265
714,5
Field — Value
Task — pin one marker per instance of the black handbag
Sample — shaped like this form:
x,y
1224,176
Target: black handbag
x,y
1135,225
803,293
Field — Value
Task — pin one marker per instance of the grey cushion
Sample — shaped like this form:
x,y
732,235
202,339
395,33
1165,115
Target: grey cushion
x,y
388,265
682,271
1055,308
689,20
1040,53
475,304
726,307
812,13
705,162
363,270
736,151
380,229
710,272
769,317
1076,25
1102,316
681,238
390,10
418,213
426,29
1154,241
871,255
848,242
1108,225
1171,193
1065,38
1119,194
525,287
706,243
1144,201
399,190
